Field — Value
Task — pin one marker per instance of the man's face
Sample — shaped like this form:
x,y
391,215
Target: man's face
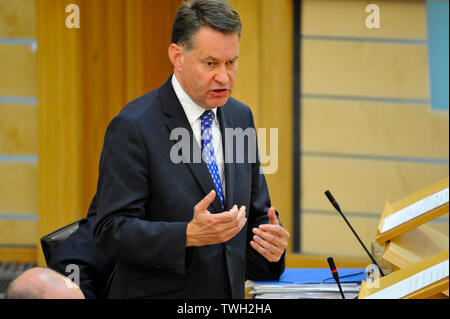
x,y
208,70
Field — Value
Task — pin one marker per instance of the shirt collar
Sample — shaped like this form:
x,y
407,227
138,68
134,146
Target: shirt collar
x,y
193,110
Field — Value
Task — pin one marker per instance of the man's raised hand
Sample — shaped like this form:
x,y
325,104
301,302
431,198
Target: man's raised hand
x,y
270,240
208,229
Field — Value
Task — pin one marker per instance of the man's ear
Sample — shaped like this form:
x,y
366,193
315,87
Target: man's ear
x,y
176,56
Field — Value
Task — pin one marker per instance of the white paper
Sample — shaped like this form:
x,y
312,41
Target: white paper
x,y
418,208
413,283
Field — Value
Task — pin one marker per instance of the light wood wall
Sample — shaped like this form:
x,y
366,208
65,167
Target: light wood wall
x,y
124,56
368,132
18,131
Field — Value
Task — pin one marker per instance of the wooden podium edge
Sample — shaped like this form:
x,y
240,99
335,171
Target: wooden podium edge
x,y
392,208
430,290
382,238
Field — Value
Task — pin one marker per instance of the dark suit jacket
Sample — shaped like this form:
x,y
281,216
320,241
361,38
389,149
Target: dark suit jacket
x,y
79,249
145,202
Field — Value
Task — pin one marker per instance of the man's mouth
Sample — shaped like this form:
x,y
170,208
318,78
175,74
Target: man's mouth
x,y
219,92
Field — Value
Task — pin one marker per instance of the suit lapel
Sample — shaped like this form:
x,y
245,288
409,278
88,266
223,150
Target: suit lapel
x,y
176,118
226,121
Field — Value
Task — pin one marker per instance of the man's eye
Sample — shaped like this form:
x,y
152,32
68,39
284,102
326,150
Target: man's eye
x,y
209,63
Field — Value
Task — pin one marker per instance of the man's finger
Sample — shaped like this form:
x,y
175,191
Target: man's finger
x,y
276,239
264,252
206,201
267,245
274,229
235,228
226,217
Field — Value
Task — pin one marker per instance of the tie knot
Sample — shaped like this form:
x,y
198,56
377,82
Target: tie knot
x,y
207,118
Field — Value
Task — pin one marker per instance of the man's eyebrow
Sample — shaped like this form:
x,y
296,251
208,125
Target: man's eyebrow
x,y
209,58
215,59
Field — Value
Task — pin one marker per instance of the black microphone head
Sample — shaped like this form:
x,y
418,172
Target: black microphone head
x,y
330,197
335,274
332,200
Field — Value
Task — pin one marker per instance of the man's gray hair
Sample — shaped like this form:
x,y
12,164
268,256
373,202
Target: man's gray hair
x,y
216,14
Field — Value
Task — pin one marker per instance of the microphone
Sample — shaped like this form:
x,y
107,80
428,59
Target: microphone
x,y
335,274
336,205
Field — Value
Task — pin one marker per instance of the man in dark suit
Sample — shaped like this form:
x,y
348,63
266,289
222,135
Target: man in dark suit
x,y
180,225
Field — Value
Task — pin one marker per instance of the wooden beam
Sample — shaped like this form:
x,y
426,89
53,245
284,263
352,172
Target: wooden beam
x,y
18,254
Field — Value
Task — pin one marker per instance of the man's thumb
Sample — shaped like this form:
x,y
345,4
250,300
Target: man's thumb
x,y
206,201
272,216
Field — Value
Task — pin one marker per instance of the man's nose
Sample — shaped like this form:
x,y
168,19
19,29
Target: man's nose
x,y
222,75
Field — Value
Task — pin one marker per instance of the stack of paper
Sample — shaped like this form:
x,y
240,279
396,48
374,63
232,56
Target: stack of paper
x,y
309,283
309,291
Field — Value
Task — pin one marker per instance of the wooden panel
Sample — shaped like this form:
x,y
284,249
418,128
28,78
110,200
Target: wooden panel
x,y
330,235
374,128
114,75
157,35
398,19
18,254
363,185
147,42
59,118
17,63
18,232
18,129
134,34
103,85
18,188
327,234
319,261
276,98
17,19
388,70
247,86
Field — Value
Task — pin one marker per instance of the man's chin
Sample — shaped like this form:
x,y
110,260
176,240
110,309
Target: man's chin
x,y
215,103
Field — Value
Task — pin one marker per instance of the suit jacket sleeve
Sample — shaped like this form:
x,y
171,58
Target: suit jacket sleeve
x,y
258,267
122,231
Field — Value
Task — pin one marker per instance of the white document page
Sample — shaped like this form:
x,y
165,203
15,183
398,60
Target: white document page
x,y
415,210
413,283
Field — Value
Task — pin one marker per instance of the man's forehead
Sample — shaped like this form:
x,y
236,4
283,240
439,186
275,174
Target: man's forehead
x,y
208,39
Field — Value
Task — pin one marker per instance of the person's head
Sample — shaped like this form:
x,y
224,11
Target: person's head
x,y
205,49
43,283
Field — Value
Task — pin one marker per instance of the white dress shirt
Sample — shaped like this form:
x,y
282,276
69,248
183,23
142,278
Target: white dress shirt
x,y
193,113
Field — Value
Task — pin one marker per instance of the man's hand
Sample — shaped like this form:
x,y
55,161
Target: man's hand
x,y
270,240
208,229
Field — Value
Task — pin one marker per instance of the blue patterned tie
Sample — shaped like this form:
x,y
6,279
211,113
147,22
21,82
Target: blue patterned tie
x,y
208,151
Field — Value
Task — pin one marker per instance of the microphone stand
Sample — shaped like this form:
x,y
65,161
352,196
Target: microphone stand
x,y
335,205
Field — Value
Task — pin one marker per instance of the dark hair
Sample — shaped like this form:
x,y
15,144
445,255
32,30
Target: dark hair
x,y
216,14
